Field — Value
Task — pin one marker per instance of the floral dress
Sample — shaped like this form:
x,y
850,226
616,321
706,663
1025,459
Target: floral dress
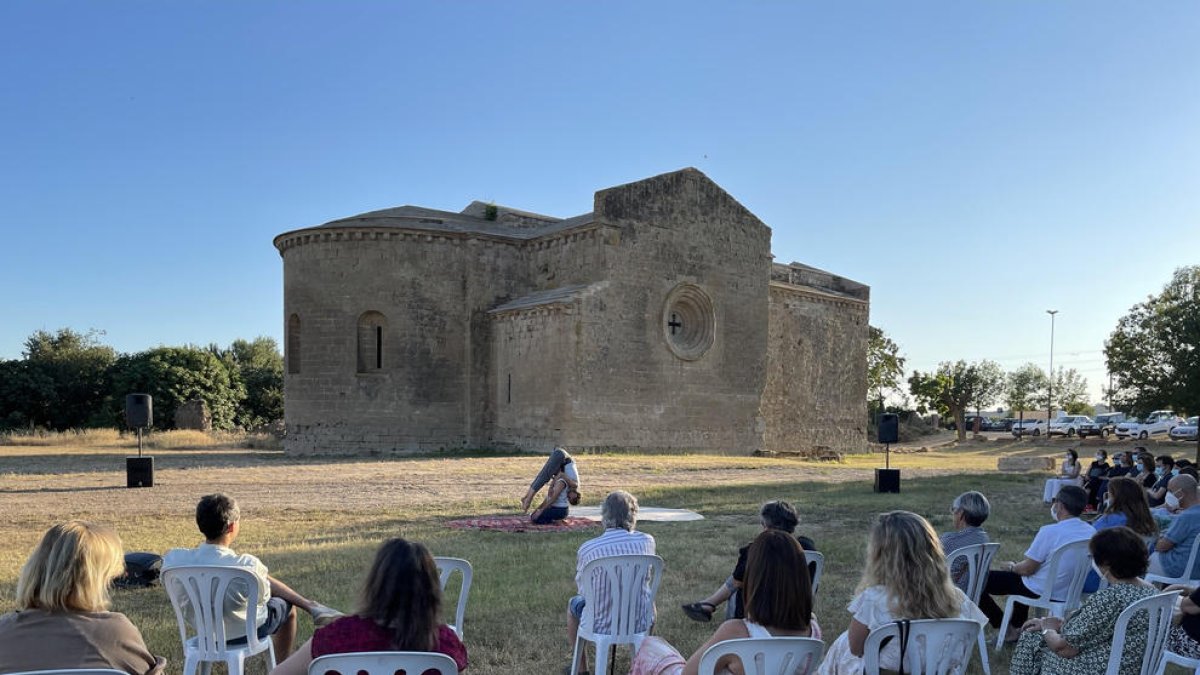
x,y
1091,632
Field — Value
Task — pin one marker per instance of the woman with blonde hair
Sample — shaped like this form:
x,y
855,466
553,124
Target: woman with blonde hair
x,y
906,578
62,618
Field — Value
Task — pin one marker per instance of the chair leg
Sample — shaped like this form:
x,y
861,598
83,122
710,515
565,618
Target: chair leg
x,y
206,668
1008,610
236,664
575,658
271,654
983,656
190,664
602,660
612,659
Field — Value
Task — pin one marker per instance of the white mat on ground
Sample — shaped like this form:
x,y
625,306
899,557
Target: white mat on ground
x,y
653,513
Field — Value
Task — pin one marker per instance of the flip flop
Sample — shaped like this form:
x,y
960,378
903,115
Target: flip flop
x,y
699,611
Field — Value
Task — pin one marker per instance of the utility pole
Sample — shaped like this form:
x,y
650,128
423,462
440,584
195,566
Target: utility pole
x,y
1050,381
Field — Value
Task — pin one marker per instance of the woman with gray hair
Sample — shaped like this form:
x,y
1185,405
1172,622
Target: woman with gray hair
x,y
969,510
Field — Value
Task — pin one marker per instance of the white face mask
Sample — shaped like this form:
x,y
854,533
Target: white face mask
x,y
1097,569
1172,500
1099,458
1053,512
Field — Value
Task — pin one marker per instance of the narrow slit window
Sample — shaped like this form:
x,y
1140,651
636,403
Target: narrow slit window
x,y
379,347
509,396
371,327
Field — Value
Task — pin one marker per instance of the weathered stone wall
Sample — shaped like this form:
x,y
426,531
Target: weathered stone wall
x,y
634,391
430,391
816,386
533,352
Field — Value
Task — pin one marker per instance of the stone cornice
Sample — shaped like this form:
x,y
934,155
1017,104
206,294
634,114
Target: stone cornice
x,y
314,235
819,295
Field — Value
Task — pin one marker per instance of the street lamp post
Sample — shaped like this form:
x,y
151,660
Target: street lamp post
x,y
1050,381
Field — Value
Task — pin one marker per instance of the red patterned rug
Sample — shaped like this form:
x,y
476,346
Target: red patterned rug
x,y
522,524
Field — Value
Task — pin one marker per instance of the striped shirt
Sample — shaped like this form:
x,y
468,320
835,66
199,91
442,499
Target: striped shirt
x,y
614,541
954,540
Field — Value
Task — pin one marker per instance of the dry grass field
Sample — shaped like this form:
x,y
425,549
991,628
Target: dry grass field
x,y
315,522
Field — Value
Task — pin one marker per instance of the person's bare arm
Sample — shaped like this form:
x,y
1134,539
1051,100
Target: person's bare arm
x,y
729,630
1024,568
556,487
297,663
858,633
282,590
1163,545
1055,641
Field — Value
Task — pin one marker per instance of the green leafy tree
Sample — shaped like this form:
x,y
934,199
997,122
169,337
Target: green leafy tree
x,y
1021,388
78,370
954,387
1154,352
885,366
258,365
175,375
1070,392
987,384
26,395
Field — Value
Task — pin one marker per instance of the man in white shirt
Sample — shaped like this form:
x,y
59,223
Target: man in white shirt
x,y
1030,576
219,520
618,513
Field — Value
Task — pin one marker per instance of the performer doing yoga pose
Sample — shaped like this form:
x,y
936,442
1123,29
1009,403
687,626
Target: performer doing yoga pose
x,y
561,473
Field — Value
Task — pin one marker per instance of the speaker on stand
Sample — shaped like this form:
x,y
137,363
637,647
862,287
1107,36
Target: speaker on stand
x,y
139,414
887,479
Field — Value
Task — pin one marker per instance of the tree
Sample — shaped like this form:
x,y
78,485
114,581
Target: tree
x,y
885,366
77,368
1070,392
259,366
953,387
1154,352
175,375
25,395
1022,387
988,384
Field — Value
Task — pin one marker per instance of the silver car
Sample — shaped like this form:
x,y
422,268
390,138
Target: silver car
x,y
1185,431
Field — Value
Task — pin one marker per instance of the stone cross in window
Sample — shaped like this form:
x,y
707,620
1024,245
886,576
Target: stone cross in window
x,y
674,323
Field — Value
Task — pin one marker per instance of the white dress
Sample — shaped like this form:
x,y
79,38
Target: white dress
x,y
1053,485
870,608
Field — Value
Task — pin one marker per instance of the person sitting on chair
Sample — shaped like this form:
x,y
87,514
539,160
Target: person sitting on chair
x,y
774,515
970,509
219,520
1174,547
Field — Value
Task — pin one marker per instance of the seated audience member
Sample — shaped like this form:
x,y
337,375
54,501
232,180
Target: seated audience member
x,y
62,618
905,578
1190,470
1122,466
776,515
1127,506
970,509
1184,638
1030,576
1067,475
561,471
779,603
618,514
399,610
1144,467
219,520
1082,644
1096,473
1163,473
1173,548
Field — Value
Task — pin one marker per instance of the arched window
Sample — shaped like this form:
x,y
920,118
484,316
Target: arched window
x,y
293,344
371,327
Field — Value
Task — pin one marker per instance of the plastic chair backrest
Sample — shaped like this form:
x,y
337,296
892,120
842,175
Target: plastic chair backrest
x,y
935,646
767,656
619,592
979,559
1187,570
816,566
1071,599
74,671
383,663
447,567
1157,610
201,591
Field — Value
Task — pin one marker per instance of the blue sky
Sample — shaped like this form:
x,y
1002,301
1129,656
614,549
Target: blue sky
x,y
976,163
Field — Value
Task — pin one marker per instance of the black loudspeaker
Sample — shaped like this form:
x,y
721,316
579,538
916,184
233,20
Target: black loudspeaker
x,y
139,471
139,411
889,428
887,480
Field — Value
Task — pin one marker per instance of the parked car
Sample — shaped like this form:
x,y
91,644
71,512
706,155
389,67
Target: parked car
x,y
996,424
1102,425
1186,431
1031,427
1067,425
969,423
1156,423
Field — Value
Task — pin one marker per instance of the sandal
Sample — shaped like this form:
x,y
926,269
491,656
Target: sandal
x,y
699,611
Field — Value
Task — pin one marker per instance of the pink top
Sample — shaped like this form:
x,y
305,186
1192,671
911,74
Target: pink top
x,y
351,634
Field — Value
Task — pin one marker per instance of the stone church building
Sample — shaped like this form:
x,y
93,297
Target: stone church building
x,y
657,320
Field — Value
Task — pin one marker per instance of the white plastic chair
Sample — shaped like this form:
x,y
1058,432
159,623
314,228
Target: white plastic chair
x,y
935,646
447,567
383,663
202,590
767,656
1184,578
1192,665
979,560
619,592
74,671
1066,602
1158,610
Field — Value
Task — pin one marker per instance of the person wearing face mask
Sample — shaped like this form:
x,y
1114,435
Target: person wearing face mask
x,y
1122,466
1030,576
1096,473
1157,493
1144,468
1173,548
1082,644
1068,475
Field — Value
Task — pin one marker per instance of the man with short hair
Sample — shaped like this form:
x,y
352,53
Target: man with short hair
x,y
1173,548
1030,576
970,510
1165,471
219,519
618,513
774,515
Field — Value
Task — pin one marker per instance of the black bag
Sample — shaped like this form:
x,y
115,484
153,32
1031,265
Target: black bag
x,y
141,570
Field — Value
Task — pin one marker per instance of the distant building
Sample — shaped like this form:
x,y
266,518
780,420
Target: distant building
x,y
655,321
